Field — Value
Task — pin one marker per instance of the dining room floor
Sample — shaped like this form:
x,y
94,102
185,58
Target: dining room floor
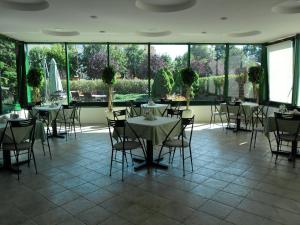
x,y
229,185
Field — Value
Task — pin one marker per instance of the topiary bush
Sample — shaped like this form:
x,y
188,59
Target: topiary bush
x,y
162,84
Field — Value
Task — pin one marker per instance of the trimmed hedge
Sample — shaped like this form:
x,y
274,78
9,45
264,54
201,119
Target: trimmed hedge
x,y
138,86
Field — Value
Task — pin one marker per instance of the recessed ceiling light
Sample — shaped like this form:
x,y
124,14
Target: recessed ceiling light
x,y
203,32
287,7
223,18
25,6
154,33
245,34
164,7
102,31
93,17
56,32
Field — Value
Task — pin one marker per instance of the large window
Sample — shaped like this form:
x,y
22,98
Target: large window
x,y
280,70
131,64
166,62
8,75
86,63
241,58
208,62
52,60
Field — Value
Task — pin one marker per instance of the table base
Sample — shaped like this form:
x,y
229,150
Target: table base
x,y
151,165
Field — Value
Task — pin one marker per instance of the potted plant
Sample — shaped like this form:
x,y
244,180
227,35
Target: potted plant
x,y
188,78
108,77
254,74
35,79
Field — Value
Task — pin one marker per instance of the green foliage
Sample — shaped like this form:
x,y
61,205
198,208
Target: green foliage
x,y
128,97
35,77
108,75
188,76
123,87
162,84
135,56
254,74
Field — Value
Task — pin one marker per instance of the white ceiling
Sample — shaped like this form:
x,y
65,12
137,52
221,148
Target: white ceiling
x,y
122,21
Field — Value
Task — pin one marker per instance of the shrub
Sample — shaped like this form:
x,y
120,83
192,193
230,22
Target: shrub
x,y
162,85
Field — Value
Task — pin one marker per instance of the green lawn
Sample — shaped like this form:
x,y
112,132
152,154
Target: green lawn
x,y
127,97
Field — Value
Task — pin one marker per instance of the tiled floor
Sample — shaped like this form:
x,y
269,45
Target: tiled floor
x,y
229,185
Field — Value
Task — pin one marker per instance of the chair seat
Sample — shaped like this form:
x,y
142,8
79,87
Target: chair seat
x,y
288,137
219,113
20,146
128,145
176,143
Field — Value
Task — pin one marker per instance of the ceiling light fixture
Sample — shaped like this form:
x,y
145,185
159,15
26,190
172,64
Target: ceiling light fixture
x,y
287,7
154,34
224,18
25,6
93,17
245,34
167,7
60,32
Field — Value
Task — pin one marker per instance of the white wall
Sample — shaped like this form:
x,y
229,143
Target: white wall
x,y
92,115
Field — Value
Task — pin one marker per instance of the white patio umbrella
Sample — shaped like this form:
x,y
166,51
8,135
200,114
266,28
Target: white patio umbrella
x,y
54,79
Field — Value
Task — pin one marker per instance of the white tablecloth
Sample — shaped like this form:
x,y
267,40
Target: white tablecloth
x,y
52,110
21,133
156,109
155,130
246,108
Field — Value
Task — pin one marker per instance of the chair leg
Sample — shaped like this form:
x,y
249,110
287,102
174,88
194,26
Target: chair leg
x,y
183,161
255,135
270,145
123,154
18,169
252,133
191,158
111,160
43,148
173,155
211,118
50,154
34,162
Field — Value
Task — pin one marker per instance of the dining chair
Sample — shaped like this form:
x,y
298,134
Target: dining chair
x,y
168,102
66,116
215,110
78,112
44,117
233,110
18,137
120,114
174,113
133,108
181,141
257,127
118,132
287,130
31,112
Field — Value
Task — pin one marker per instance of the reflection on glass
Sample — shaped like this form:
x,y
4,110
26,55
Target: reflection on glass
x,y
8,74
166,62
51,59
241,58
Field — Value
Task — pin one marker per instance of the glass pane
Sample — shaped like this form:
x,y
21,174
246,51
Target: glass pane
x,y
131,64
208,62
241,58
87,62
166,62
280,70
8,74
51,59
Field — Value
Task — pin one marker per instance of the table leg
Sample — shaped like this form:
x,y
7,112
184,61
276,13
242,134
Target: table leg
x,y
149,163
54,130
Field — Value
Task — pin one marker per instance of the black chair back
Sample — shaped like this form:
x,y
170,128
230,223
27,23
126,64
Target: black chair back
x,y
287,123
120,113
174,112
